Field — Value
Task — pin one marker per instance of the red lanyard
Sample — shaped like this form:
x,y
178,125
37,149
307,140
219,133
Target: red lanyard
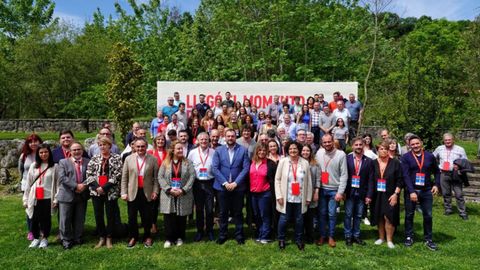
x,y
448,154
294,170
66,154
194,132
326,163
382,168
176,168
358,163
139,167
161,155
420,165
201,159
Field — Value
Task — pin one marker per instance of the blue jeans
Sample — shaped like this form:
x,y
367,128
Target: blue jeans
x,y
231,202
353,214
262,209
327,205
425,199
291,210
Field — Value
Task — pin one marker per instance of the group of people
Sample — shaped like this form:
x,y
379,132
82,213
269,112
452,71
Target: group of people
x,y
284,163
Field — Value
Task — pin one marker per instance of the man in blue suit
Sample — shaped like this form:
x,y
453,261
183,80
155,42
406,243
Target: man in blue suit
x,y
358,192
230,167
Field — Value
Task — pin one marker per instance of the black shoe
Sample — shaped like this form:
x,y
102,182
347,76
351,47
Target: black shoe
x,y
431,245
408,242
359,241
221,241
241,241
348,241
464,217
281,244
301,246
131,243
198,237
210,236
78,242
448,212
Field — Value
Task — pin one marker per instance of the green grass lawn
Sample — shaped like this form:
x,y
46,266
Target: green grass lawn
x,y
458,241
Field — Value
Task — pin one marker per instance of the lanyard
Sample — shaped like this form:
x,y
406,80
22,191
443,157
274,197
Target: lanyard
x,y
41,175
161,155
420,165
358,164
139,167
326,163
66,154
176,168
294,170
104,164
201,159
382,167
194,132
448,154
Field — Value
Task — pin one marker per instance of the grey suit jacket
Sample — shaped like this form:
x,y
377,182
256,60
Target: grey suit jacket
x,y
129,183
68,181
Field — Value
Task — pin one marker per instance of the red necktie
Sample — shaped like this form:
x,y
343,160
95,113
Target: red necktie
x,y
78,164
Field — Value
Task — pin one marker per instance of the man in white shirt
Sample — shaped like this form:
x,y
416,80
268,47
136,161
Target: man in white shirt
x,y
446,154
201,157
175,125
341,112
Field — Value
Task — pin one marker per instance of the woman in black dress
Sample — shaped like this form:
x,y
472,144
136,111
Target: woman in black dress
x,y
385,205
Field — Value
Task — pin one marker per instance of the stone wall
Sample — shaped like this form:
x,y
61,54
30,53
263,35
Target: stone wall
x,y
55,125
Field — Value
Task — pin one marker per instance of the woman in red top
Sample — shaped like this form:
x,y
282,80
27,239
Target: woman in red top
x,y
163,126
160,152
262,175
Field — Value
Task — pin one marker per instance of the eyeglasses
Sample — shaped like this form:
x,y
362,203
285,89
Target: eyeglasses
x,y
75,150
106,133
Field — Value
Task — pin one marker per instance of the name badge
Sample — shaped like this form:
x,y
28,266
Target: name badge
x,y
446,166
202,174
355,181
381,185
140,181
102,180
176,183
325,177
295,188
420,179
39,193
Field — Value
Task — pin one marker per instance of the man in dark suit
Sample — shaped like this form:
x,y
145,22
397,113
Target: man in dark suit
x,y
66,138
139,187
230,167
72,196
358,192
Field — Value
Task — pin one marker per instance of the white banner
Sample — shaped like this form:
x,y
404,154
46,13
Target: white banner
x,y
260,94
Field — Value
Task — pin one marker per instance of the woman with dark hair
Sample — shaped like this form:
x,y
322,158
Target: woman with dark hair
x,y
176,177
393,151
304,121
273,151
249,123
208,121
340,133
310,101
27,158
193,114
293,192
219,121
254,113
247,105
104,173
242,114
315,172
237,106
368,148
260,120
267,125
39,196
194,130
262,175
160,152
385,205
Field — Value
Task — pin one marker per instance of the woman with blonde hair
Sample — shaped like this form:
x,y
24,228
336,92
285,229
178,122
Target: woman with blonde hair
x,y
176,177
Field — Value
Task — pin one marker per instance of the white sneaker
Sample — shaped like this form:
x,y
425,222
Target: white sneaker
x,y
390,244
34,243
179,242
264,242
167,244
43,243
366,221
379,242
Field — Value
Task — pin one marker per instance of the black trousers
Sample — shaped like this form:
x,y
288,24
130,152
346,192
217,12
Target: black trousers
x,y
203,196
308,223
155,207
101,207
42,218
144,207
175,227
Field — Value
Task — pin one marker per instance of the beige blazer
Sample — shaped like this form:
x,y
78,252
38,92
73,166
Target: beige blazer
x,y
129,184
281,183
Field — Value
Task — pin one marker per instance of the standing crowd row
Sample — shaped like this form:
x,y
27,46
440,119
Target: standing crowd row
x,y
294,171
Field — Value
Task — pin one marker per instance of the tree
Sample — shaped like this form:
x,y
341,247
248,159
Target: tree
x,y
123,86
